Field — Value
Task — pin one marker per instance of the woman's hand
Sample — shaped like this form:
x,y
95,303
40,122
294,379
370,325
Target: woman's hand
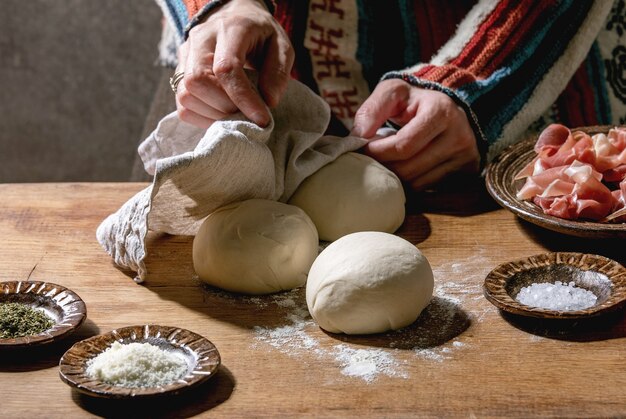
x,y
435,138
241,33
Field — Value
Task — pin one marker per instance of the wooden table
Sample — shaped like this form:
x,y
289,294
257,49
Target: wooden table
x,y
462,358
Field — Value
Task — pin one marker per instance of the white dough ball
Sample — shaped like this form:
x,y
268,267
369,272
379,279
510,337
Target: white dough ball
x,y
353,193
368,282
255,247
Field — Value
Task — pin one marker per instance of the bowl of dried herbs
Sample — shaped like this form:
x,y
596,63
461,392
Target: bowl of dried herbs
x,y
34,312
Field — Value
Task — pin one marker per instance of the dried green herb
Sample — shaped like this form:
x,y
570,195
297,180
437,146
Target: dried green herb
x,y
18,320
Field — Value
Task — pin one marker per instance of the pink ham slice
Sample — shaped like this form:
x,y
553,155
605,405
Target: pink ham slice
x,y
557,180
619,210
558,146
570,192
552,137
566,177
610,154
590,200
617,137
615,175
577,146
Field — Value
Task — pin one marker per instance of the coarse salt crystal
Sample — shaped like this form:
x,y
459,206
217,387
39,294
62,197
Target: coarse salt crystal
x,y
559,296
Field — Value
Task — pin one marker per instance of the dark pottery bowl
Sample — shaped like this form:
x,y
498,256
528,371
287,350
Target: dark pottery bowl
x,y
502,186
61,304
200,354
602,276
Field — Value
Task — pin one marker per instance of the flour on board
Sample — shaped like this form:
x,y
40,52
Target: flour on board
x,y
434,337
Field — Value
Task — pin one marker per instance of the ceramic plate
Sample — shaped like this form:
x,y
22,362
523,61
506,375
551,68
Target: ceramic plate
x,y
602,276
502,187
64,306
201,356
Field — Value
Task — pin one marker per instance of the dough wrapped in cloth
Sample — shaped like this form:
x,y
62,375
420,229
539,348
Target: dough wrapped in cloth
x,y
197,171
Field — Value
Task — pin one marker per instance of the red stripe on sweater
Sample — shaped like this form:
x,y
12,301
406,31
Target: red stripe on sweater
x,y
528,20
194,6
474,47
424,31
492,35
447,75
483,52
436,23
479,40
578,97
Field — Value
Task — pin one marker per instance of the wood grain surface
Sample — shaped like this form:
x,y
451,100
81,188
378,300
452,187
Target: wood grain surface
x,y
462,357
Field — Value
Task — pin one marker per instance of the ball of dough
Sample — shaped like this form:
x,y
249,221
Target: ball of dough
x,y
353,193
368,282
255,247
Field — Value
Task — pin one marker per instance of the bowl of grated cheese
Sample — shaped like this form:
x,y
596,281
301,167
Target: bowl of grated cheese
x,y
139,361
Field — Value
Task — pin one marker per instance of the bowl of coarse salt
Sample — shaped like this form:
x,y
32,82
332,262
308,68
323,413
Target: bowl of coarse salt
x,y
558,285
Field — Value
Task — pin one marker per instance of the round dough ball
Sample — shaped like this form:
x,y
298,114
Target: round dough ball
x,y
255,247
368,282
353,193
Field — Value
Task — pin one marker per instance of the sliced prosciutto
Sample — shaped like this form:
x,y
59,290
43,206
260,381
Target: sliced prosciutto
x,y
570,192
619,210
575,175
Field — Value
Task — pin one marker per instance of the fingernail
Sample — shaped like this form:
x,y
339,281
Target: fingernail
x,y
260,119
356,131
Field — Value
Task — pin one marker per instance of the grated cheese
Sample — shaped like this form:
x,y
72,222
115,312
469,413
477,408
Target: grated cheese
x,y
137,365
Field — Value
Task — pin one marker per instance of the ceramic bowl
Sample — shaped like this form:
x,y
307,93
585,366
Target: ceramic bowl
x,y
502,186
600,275
202,357
61,304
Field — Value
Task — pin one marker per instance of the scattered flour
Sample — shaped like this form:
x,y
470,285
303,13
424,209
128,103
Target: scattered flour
x,y
297,339
368,363
431,354
432,338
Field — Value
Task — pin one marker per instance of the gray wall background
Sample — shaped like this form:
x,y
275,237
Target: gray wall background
x,y
77,78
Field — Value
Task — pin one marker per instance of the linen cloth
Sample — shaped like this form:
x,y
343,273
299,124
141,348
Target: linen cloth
x,y
197,171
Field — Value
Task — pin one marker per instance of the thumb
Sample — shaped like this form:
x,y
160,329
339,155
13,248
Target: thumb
x,y
380,106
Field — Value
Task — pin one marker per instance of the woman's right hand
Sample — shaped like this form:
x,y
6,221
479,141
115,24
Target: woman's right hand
x,y
239,34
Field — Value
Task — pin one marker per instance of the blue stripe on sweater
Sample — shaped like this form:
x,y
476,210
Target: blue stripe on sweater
x,y
365,40
374,52
597,76
495,110
178,12
411,39
472,91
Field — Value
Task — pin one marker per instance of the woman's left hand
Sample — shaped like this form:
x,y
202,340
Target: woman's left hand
x,y
435,138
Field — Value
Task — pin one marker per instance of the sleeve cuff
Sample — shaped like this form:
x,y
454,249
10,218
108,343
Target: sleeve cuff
x,y
214,4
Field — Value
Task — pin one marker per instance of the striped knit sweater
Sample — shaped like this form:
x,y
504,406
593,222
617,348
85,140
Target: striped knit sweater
x,y
513,65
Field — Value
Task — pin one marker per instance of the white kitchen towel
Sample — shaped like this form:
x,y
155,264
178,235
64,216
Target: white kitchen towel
x,y
197,171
